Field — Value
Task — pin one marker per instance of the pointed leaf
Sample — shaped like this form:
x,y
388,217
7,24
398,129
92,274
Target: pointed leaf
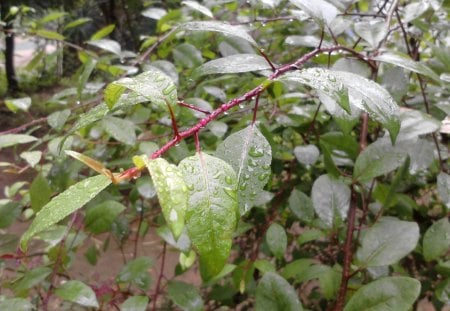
x,y
58,118
404,61
135,303
351,92
172,192
436,241
107,45
320,10
49,34
65,204
198,7
101,217
221,27
120,129
250,155
88,67
32,157
233,64
32,278
136,271
78,292
276,294
386,242
212,210
40,193
16,304
276,239
387,294
103,32
373,31
154,13
185,296
443,187
331,198
8,140
77,22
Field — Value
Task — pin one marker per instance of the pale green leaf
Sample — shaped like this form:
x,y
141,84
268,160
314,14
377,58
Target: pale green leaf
x,y
395,293
276,294
443,187
415,123
198,7
135,303
301,206
233,64
16,104
221,27
52,16
250,155
172,192
32,157
436,241
154,13
65,204
83,78
107,45
276,239
58,118
49,34
8,140
185,296
386,242
320,10
77,22
212,209
120,129
100,34
372,31
307,155
77,292
16,304
331,199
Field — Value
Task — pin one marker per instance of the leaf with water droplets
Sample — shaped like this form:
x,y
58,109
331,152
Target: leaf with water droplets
x,y
352,92
120,129
331,199
233,64
250,155
171,190
65,204
212,212
320,10
216,26
78,292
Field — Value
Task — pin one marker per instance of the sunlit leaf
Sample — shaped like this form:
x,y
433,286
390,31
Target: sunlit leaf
x,y
221,27
103,32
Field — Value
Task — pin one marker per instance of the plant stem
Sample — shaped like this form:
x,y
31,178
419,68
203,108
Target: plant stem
x,y
161,274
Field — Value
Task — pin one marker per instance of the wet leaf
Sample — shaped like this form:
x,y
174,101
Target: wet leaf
x,y
135,303
40,193
185,296
101,217
78,292
276,239
120,129
320,10
233,64
198,7
221,27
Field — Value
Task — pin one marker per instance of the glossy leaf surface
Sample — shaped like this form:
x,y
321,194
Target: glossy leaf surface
x,y
78,292
221,27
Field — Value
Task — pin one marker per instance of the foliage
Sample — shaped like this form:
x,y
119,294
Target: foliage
x,y
287,154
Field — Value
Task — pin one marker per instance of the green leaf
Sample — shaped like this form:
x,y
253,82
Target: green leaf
x,y
18,104
296,268
40,193
436,241
16,304
154,13
103,32
443,187
136,271
352,92
415,123
120,129
32,278
112,94
386,242
276,239
101,217
212,212
307,155
77,292
221,27
378,159
57,119
185,296
88,67
233,64
107,45
320,10
264,266
8,244
387,294
52,16
172,192
32,157
372,30
331,199
250,155
153,85
135,303
49,35
404,61
443,291
77,22
301,206
65,204
274,293
9,211
198,7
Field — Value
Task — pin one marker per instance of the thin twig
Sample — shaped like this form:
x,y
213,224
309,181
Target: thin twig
x,y
160,276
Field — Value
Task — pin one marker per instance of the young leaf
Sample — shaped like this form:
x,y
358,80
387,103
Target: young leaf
x,y
387,242
301,206
101,217
77,22
436,241
185,296
351,92
276,239
107,45
77,292
40,193
221,27
276,294
250,155
136,271
103,32
372,30
321,11
135,303
65,204
330,198
172,192
212,209
395,293
233,64
49,34
120,129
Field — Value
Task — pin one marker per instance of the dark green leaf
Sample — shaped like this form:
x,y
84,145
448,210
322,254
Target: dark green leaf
x,y
301,206
436,241
100,217
8,244
276,239
136,271
32,278
185,296
135,303
78,292
9,211
40,193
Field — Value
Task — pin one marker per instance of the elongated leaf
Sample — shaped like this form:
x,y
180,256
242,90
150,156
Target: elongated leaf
x,y
120,129
352,92
153,85
88,67
276,294
185,296
276,239
331,198
77,22
100,34
16,304
387,294
320,10
436,241
221,27
172,192
212,210
378,159
154,13
64,204
32,278
404,61
443,187
198,7
8,140
107,45
78,292
233,64
250,155
387,242
40,193
49,34
135,303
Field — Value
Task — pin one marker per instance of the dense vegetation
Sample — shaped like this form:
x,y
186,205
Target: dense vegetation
x,y
287,155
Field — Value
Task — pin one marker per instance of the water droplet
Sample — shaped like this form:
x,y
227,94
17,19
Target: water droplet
x,y
263,24
78,102
241,106
230,192
226,113
291,19
229,180
263,177
266,167
243,186
255,152
190,187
